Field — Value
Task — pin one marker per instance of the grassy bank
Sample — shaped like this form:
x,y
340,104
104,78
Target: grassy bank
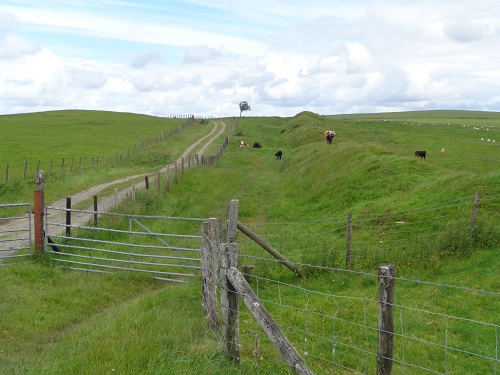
x,y
131,325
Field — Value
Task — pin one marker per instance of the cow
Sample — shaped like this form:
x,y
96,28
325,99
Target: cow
x,y
243,144
329,136
421,154
278,155
257,145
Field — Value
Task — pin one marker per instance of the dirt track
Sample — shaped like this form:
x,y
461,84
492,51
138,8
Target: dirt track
x,y
105,204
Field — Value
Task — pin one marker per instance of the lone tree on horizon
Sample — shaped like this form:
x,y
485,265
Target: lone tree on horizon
x,y
244,106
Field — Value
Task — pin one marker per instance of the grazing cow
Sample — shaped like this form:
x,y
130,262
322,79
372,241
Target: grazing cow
x,y
243,144
442,151
329,136
421,154
256,145
278,155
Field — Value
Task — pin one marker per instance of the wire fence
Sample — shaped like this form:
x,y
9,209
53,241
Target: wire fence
x,y
333,321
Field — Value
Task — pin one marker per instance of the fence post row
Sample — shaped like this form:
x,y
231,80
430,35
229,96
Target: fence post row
x,y
229,297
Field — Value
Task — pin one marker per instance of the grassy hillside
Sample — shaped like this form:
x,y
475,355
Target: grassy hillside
x,y
370,169
96,147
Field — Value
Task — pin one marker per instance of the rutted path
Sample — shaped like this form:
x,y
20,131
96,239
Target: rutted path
x,y
106,203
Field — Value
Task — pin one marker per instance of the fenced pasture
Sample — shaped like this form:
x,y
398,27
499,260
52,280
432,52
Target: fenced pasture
x,y
332,316
98,139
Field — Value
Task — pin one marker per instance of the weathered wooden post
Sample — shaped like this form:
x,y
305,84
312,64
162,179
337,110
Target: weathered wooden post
x,y
175,166
209,269
68,217
229,297
133,191
158,182
474,210
348,240
146,180
38,213
385,349
95,210
168,178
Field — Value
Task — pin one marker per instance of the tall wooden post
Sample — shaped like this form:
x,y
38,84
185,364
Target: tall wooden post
x,y
68,217
38,221
385,350
229,297
474,210
38,213
209,270
95,210
348,240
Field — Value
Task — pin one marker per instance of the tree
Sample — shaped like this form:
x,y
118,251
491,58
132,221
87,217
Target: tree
x,y
244,106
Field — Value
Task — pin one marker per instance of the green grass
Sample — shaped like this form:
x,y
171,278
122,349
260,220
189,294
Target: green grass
x,y
115,144
370,171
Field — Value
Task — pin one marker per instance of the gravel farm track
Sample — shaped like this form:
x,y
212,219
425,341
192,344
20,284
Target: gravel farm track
x,y
106,203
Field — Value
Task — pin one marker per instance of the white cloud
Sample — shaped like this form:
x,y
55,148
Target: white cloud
x,y
200,54
281,56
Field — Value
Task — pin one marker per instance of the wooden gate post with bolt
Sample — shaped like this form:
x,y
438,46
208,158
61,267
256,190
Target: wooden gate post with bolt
x,y
38,212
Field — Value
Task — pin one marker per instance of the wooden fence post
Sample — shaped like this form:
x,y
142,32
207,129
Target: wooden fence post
x,y
474,210
68,217
158,182
385,349
133,191
146,180
229,298
209,269
38,221
175,167
95,210
168,178
348,240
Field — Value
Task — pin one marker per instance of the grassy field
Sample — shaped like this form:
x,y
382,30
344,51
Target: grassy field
x,y
128,324
113,143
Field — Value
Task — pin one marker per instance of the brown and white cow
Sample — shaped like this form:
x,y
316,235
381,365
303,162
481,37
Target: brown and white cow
x,y
243,144
329,136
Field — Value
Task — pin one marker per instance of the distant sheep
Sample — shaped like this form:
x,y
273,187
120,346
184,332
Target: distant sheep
x,y
278,155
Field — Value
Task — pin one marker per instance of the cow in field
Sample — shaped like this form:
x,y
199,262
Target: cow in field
x,y
278,155
329,136
257,145
243,144
421,154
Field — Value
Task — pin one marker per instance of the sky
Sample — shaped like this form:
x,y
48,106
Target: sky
x,y
204,57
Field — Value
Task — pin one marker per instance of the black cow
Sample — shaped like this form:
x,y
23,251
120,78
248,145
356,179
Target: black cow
x,y
278,154
421,154
257,145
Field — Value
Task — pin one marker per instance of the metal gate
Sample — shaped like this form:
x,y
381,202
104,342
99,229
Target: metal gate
x,y
15,231
166,248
